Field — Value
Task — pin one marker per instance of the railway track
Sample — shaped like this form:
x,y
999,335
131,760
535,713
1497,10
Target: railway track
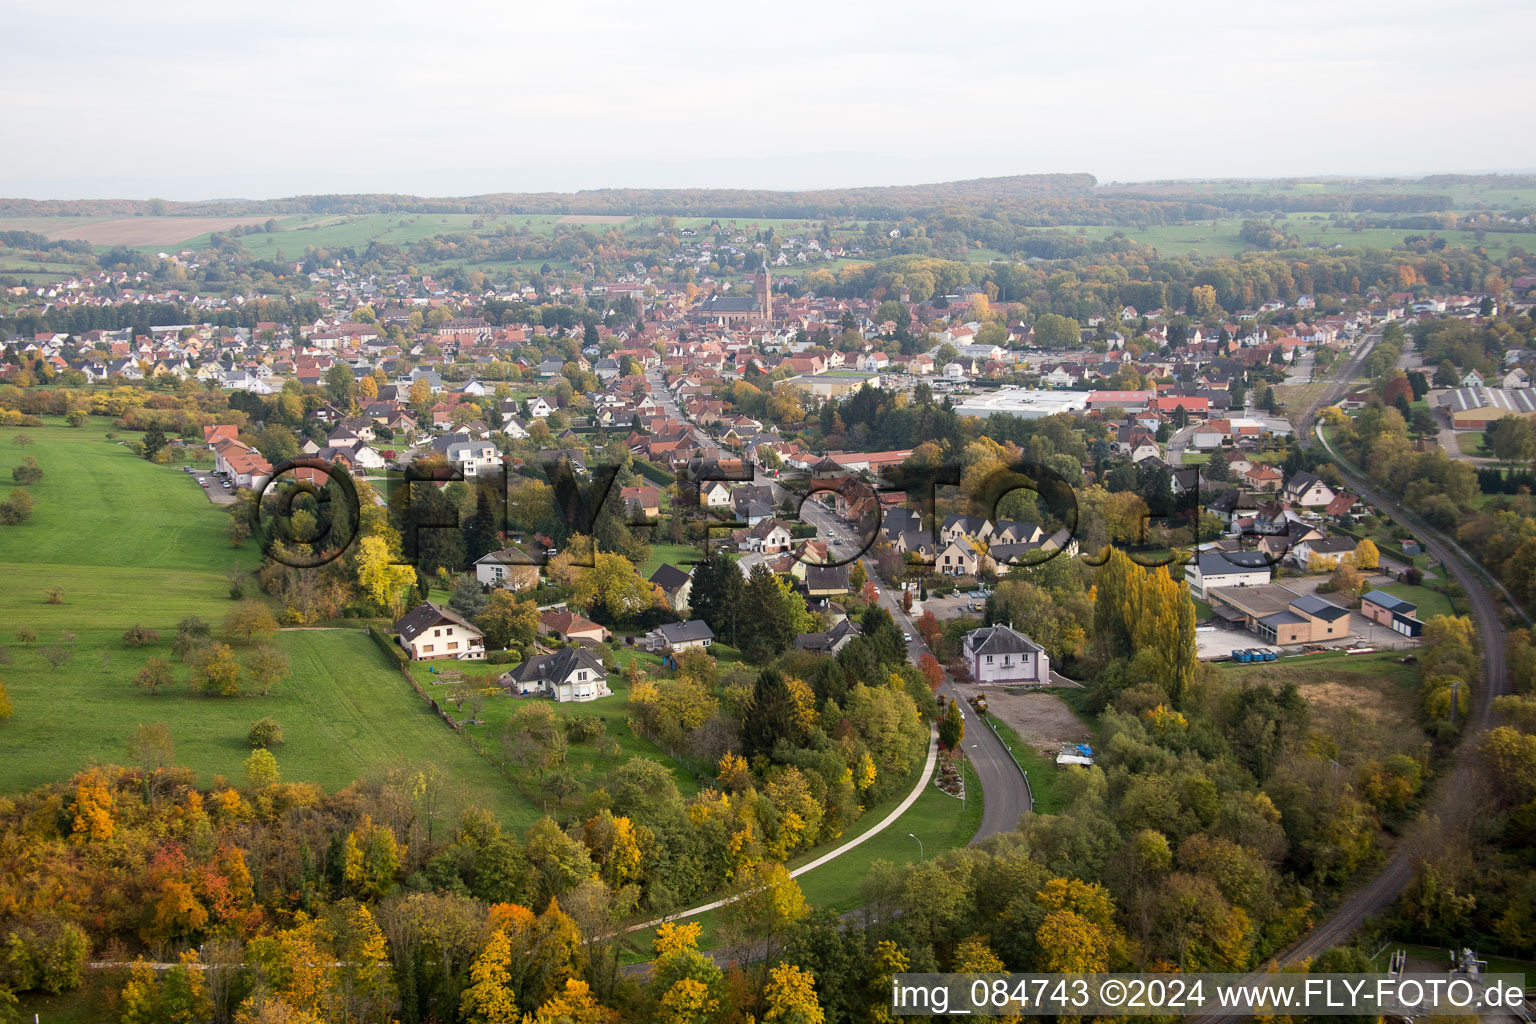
x,y
1387,884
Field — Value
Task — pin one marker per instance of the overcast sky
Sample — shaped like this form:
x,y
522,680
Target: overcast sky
x,y
198,100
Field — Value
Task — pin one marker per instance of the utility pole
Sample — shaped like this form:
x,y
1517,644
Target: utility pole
x,y
1454,687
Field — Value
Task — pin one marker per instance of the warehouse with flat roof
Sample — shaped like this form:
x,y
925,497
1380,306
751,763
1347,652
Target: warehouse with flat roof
x,y
1026,403
1476,407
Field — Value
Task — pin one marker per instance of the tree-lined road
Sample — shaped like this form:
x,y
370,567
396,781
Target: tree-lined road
x,y
1004,791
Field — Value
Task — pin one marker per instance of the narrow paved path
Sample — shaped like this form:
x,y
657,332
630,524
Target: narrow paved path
x,y
831,855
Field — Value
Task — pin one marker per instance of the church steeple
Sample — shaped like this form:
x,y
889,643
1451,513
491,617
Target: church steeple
x,y
765,292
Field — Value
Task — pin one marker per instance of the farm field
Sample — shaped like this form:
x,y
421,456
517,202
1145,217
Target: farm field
x,y
1368,702
134,543
1220,237
130,231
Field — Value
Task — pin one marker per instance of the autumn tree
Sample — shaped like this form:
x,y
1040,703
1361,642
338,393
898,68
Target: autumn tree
x,y
932,671
611,590
370,858
1077,933
261,770
267,666
790,996
383,575
215,670
685,985
758,920
151,748
248,622
507,620
952,728
155,674
1366,555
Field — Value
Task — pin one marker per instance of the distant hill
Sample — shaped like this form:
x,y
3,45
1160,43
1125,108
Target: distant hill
x,y
886,202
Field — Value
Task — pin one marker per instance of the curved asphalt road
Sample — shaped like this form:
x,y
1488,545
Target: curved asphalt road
x,y
1005,793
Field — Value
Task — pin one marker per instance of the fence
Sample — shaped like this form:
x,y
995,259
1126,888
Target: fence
x,y
403,663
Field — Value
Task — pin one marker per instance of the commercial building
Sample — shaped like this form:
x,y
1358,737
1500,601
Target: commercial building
x,y
1025,403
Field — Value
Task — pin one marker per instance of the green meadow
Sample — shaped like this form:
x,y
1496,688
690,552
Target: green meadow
x,y
134,543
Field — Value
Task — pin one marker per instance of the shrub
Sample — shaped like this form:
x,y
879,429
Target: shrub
x,y
29,472
580,728
499,658
265,733
54,595
17,509
138,635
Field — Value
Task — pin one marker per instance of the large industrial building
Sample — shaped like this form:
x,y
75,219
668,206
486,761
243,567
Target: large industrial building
x,y
1476,407
1022,402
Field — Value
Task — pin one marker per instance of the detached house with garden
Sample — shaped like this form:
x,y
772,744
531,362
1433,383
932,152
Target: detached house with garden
x,y
1001,654
428,632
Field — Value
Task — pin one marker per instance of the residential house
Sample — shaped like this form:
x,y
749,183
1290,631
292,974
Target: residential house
x,y
826,580
641,500
961,557
831,641
1322,554
572,627
1001,654
679,636
469,457
571,674
428,633
1306,490
509,569
676,585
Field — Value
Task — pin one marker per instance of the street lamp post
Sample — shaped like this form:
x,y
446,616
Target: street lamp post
x,y
921,856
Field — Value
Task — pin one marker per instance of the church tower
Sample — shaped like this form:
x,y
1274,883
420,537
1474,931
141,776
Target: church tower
x,y
765,294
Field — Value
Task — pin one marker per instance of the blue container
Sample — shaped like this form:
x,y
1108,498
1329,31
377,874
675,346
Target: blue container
x,y
1243,656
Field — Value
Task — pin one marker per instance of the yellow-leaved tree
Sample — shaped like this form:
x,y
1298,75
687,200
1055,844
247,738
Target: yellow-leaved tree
x,y
384,579
489,998
791,997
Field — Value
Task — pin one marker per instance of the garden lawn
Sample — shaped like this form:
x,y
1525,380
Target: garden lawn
x,y
678,555
346,715
1430,602
584,759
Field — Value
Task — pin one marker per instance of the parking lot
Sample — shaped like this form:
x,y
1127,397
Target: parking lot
x,y
953,606
218,492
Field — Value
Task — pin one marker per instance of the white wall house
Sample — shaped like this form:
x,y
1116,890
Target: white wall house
x,y
1000,654
429,632
1225,569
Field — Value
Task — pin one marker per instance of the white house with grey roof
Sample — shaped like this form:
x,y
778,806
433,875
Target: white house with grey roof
x,y
679,636
570,674
1001,654
1210,569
